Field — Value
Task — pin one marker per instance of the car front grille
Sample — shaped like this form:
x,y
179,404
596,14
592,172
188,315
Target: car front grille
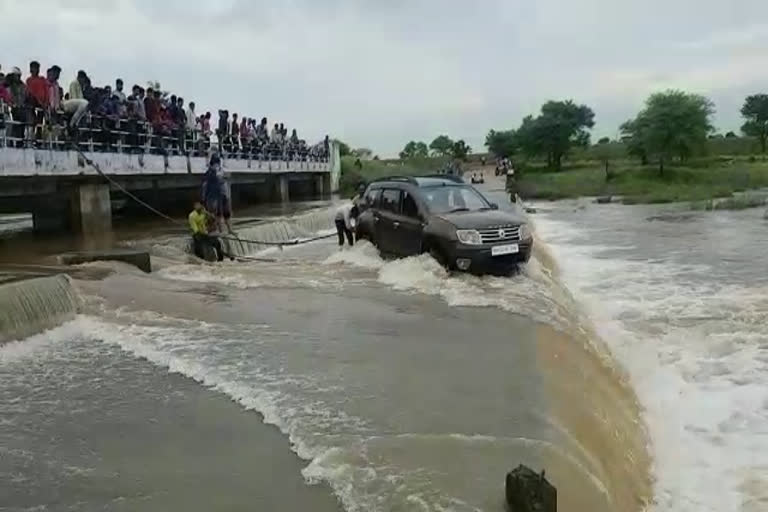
x,y
500,234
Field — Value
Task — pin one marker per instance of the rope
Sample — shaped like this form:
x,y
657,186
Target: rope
x,y
182,224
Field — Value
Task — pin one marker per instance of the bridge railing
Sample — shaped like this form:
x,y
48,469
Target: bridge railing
x,y
34,128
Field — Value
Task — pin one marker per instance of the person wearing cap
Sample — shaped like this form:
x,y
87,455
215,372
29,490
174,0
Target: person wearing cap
x,y
16,87
18,93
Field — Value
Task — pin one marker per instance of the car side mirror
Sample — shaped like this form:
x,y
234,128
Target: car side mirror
x,y
494,206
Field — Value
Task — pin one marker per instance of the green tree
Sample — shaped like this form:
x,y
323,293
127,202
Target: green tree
x,y
362,153
502,143
755,111
632,135
673,123
530,137
604,140
604,153
414,149
560,126
442,146
730,135
461,150
344,149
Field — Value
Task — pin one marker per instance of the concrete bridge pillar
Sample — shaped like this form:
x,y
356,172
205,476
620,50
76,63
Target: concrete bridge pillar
x,y
91,208
283,193
322,184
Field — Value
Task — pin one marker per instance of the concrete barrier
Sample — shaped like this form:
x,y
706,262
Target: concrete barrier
x,y
139,259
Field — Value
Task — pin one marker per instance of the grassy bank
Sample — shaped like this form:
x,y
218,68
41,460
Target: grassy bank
x,y
701,181
352,176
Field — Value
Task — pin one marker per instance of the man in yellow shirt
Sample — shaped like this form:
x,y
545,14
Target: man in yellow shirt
x,y
198,222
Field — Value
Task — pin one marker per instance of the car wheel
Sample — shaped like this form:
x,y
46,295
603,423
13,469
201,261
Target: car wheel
x,y
438,256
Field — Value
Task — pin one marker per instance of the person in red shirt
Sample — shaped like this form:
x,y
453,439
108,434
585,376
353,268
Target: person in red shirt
x,y
37,87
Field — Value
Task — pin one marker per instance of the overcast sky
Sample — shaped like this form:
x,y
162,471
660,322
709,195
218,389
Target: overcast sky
x,y
378,73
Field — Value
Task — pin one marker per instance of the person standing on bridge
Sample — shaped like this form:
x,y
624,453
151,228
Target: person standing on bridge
x,y
216,194
201,240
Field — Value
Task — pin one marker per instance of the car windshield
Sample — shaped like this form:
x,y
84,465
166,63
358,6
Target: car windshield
x,y
454,199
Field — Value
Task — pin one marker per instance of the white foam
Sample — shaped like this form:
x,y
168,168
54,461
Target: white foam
x,y
363,255
697,353
21,350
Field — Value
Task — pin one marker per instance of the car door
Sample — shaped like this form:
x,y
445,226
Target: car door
x,y
369,206
385,218
407,226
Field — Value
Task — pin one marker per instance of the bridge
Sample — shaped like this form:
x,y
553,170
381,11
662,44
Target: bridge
x,y
63,192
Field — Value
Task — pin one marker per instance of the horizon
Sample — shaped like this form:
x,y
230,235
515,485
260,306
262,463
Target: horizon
x,y
378,76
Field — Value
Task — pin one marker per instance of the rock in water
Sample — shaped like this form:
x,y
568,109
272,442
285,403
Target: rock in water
x,y
528,491
604,199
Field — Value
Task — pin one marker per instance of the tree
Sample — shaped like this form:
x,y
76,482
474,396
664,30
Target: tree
x,y
632,135
442,146
344,149
561,125
414,149
503,143
755,111
530,136
604,140
603,153
672,123
362,153
730,135
461,150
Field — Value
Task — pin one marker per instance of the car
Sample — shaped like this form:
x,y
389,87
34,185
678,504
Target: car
x,y
445,217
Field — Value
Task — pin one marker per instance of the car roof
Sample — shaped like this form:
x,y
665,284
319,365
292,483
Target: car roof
x,y
437,180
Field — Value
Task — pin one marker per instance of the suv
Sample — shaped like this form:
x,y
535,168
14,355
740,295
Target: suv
x,y
445,217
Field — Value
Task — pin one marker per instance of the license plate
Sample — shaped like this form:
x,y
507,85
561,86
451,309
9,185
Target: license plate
x,y
501,250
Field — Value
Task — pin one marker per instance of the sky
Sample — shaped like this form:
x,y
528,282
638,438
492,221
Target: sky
x,y
379,73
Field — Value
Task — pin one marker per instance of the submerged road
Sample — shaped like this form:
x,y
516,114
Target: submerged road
x,y
398,386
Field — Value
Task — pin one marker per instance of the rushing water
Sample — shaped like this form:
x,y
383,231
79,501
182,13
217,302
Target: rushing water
x,y
403,387
681,298
33,305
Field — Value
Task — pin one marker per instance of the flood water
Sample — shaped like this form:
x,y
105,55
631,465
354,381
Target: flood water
x,y
627,359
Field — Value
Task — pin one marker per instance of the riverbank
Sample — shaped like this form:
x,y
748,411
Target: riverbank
x,y
705,181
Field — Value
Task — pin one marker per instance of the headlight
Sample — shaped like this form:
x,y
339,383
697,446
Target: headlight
x,y
469,236
525,231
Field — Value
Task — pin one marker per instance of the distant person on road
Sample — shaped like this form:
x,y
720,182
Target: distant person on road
x,y
511,183
198,222
346,217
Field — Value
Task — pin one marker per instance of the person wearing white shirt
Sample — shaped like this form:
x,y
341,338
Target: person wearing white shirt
x,y
191,116
345,220
118,92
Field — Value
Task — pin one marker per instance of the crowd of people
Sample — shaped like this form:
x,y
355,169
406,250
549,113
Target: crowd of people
x,y
39,112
